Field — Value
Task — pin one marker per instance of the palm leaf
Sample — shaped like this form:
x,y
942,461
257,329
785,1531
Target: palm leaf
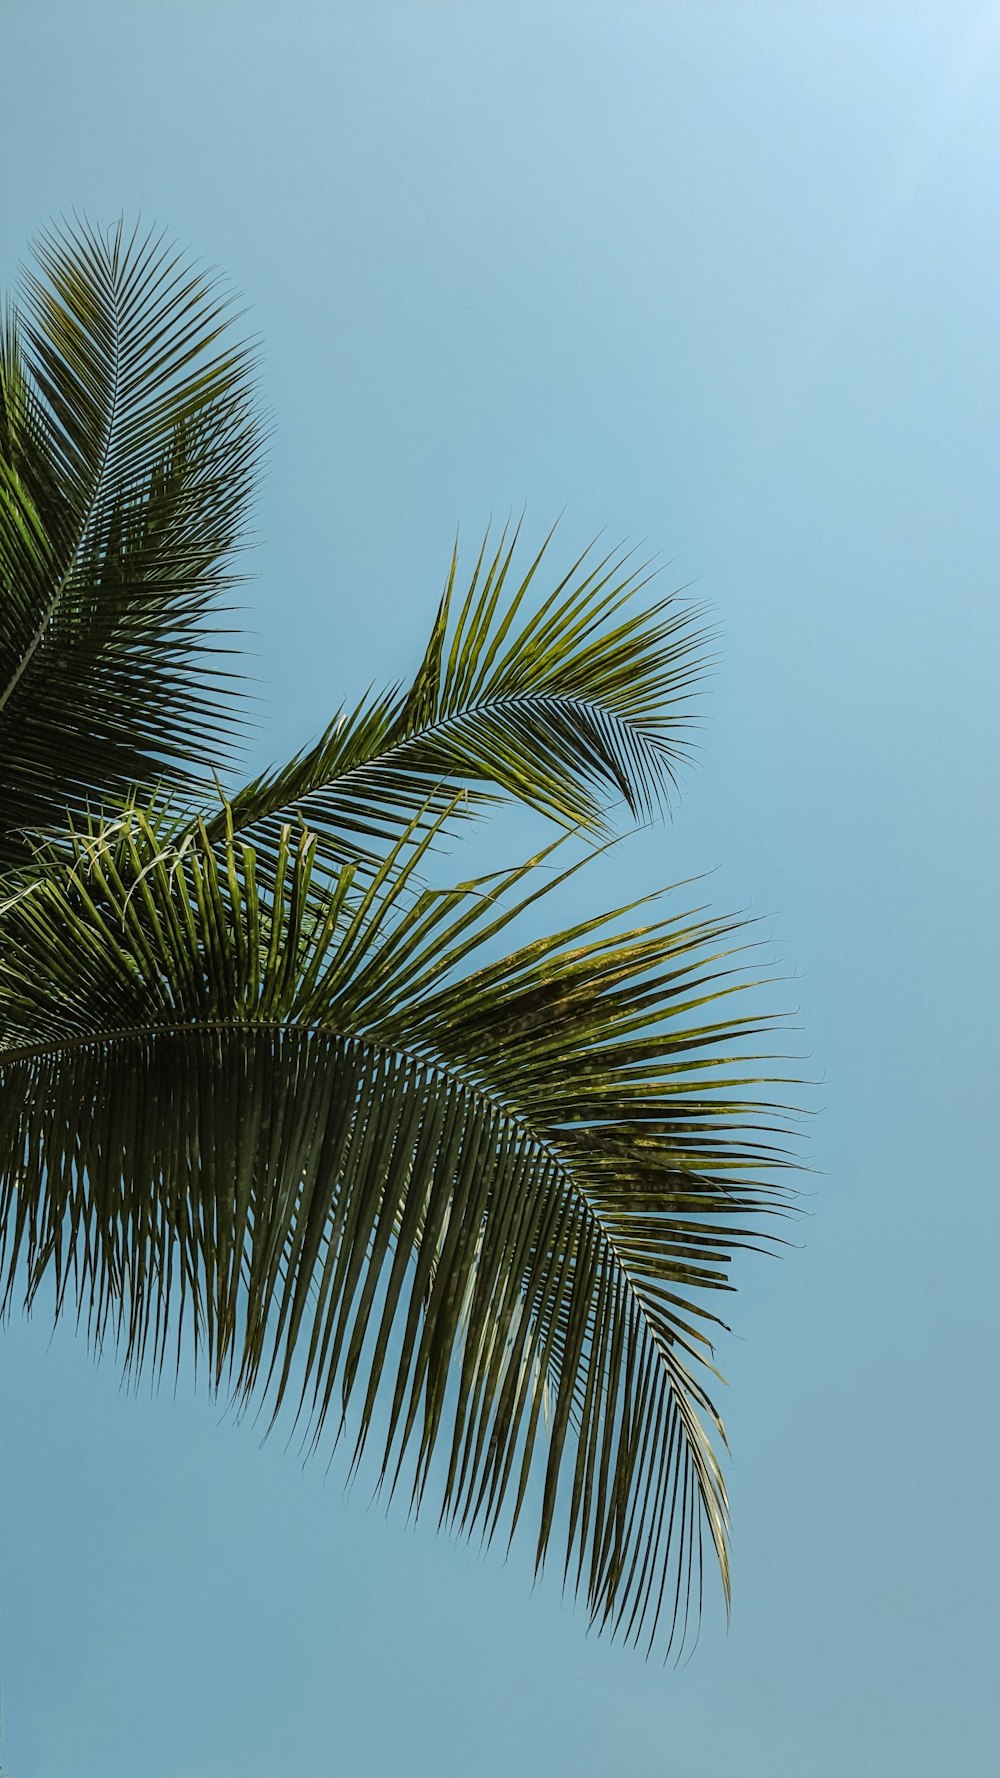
x,y
353,1170
567,703
127,450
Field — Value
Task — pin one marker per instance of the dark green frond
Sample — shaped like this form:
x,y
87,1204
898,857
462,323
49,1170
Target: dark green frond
x,y
128,445
357,1170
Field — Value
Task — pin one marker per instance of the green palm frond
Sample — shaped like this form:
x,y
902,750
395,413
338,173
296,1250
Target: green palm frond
x,y
128,444
477,1207
566,704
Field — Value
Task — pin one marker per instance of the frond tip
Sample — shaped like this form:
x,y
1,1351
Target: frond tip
x,y
569,702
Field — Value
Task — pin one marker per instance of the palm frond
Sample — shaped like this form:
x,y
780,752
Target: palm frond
x,y
566,703
354,1170
128,445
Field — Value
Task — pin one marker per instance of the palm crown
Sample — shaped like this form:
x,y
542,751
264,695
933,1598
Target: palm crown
x,y
269,1100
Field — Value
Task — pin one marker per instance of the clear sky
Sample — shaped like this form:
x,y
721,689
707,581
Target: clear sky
x,y
723,278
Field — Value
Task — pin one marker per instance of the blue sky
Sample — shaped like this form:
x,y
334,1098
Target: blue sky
x,y
722,279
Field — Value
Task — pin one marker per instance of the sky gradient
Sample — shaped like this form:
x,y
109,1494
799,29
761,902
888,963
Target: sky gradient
x,y
721,280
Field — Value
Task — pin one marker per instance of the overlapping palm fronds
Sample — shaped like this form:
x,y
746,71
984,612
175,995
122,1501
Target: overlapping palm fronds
x,y
267,1098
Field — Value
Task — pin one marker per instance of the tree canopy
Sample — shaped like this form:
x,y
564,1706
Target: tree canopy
x,y
274,1101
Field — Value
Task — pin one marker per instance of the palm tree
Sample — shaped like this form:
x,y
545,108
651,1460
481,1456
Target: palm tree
x,y
274,1101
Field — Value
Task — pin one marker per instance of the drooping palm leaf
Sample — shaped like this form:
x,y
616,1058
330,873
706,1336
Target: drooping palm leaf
x,y
127,449
353,1167
565,704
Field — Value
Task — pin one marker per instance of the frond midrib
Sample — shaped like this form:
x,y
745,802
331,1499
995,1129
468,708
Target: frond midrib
x,y
83,523
397,749
501,701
